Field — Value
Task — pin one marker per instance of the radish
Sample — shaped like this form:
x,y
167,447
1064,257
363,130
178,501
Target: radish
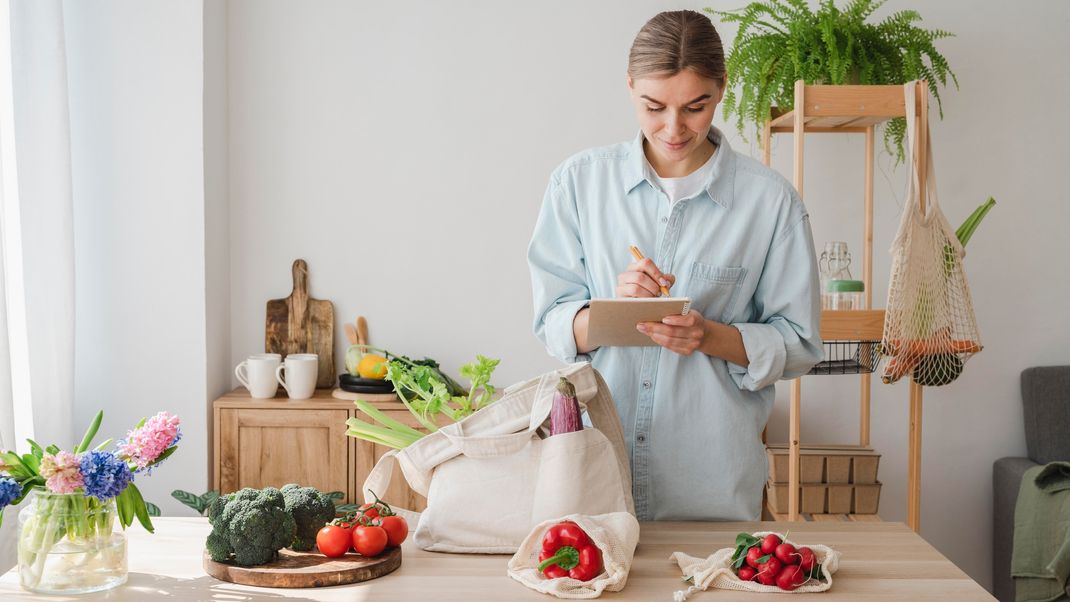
x,y
747,573
807,560
753,555
790,577
770,543
768,571
785,553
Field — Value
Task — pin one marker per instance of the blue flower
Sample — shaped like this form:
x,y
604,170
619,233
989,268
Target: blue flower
x,y
105,475
9,491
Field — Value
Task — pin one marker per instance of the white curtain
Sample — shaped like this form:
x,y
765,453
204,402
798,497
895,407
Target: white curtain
x,y
36,235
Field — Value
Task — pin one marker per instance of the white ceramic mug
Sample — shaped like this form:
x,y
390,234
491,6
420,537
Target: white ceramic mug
x,y
302,371
257,373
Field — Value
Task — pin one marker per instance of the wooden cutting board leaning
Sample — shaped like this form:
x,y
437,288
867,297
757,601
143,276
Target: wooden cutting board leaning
x,y
301,324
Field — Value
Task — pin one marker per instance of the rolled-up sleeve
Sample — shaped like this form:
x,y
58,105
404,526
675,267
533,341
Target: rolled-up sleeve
x,y
785,340
558,273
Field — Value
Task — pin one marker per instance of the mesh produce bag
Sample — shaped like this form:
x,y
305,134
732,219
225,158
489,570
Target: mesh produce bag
x,y
716,571
616,535
929,325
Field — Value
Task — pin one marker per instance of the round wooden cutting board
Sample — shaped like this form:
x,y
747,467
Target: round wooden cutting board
x,y
306,569
340,394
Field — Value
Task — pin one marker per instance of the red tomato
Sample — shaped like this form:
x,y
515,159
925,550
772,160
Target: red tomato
x,y
369,541
333,541
396,530
370,510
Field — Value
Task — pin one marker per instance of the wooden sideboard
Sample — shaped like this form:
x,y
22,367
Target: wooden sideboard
x,y
272,442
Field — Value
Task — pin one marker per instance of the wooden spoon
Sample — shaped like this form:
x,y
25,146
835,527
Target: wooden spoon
x,y
351,333
362,330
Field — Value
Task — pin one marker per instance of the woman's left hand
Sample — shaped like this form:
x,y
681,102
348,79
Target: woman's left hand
x,y
682,334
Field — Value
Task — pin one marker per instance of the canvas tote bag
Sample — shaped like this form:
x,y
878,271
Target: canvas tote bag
x,y
930,329
491,478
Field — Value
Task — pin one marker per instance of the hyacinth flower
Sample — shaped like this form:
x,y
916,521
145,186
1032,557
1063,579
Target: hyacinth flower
x,y
151,439
77,487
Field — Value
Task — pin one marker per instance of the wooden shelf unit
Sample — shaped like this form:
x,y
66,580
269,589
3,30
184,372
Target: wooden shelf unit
x,y
852,110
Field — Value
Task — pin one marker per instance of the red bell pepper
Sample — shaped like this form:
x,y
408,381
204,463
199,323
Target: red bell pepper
x,y
568,552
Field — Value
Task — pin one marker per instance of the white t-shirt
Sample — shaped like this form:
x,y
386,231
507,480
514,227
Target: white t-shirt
x,y
687,186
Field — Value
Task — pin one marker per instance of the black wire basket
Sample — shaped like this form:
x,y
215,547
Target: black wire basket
x,y
849,357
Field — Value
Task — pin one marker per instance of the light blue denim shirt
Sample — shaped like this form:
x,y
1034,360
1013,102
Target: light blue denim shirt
x,y
743,252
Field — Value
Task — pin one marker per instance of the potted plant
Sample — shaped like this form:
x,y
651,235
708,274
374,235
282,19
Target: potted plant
x,y
781,41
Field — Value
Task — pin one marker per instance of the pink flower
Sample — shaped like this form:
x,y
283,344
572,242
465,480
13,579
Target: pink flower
x,y
62,471
145,443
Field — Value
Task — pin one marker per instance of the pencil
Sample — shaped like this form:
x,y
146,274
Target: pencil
x,y
639,257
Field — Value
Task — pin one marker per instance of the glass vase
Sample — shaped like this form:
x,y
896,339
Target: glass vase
x,y
68,544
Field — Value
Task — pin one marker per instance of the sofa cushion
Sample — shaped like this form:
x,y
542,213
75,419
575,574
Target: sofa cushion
x,y
1046,405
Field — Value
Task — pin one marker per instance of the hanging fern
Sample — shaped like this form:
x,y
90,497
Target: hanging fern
x,y
781,41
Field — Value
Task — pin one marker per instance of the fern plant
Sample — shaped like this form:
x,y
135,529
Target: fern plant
x,y
781,41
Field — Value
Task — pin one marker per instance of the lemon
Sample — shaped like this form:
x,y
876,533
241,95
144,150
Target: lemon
x,y
372,366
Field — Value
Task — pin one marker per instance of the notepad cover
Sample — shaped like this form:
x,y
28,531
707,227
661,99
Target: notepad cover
x,y
612,322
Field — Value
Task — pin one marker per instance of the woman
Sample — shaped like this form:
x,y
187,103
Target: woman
x,y
717,227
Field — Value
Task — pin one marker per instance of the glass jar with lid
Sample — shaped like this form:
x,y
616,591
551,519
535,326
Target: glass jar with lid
x,y
843,295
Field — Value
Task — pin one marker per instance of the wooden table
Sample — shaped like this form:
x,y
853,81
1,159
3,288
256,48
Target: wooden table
x,y
881,561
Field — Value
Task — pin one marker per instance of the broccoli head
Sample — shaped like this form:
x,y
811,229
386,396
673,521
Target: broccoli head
x,y
249,526
310,510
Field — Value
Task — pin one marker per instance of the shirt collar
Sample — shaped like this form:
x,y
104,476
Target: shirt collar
x,y
720,184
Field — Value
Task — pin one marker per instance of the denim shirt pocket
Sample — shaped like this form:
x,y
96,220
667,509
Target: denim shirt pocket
x,y
714,289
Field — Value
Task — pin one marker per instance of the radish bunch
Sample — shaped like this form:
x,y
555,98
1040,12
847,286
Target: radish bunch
x,y
770,560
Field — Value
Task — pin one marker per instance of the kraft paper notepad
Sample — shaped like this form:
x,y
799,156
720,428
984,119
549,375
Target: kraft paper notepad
x,y
612,322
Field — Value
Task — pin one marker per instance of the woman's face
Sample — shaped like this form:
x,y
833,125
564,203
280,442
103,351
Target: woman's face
x,y
675,113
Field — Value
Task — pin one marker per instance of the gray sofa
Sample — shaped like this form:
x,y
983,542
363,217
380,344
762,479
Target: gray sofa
x,y
1046,406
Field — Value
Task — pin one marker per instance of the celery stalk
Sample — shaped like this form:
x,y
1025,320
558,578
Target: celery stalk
x,y
385,420
378,434
968,227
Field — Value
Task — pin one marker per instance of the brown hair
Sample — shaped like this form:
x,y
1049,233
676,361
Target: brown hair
x,y
676,40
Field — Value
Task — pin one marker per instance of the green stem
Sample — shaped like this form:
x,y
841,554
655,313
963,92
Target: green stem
x,y
424,421
566,557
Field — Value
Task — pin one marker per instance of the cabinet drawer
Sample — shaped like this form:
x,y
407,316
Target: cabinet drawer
x,y
262,448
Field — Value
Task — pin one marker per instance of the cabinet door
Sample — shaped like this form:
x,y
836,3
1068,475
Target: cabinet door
x,y
368,453
262,448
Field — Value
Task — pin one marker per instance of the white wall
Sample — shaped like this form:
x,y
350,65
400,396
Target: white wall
x,y
403,149
135,71
216,208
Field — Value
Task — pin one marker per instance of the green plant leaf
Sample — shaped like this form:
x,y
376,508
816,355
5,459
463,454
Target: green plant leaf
x,y
746,539
32,462
125,507
336,495
165,454
209,498
152,509
140,510
90,433
190,500
35,448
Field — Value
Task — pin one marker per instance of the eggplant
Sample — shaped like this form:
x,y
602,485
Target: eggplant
x,y
565,412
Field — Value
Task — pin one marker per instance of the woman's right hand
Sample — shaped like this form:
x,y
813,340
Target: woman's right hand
x,y
643,279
